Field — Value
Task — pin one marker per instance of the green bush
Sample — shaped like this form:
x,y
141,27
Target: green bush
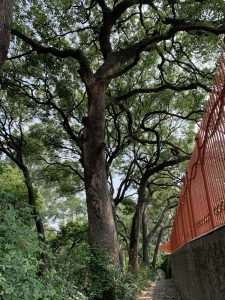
x,y
94,273
20,263
83,274
166,267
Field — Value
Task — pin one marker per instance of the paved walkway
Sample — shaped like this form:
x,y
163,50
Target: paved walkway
x,y
161,290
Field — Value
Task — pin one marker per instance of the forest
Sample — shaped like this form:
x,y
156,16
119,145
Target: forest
x,y
100,101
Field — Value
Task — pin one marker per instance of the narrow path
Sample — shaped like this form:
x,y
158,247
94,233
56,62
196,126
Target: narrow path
x,y
161,290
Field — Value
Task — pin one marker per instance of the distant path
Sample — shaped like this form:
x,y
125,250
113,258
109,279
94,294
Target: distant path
x,y
161,290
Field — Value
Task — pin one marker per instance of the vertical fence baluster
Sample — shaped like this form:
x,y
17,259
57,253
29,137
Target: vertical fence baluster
x,y
190,202
211,212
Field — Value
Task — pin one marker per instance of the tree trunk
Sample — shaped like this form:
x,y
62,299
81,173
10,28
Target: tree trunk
x,y
36,215
5,20
147,237
153,264
135,229
102,229
144,238
101,224
33,204
121,261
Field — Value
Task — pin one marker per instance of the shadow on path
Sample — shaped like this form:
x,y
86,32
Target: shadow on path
x,y
165,290
161,290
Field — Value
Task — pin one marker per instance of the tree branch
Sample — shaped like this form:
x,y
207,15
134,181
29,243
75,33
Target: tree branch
x,y
112,66
166,86
77,54
165,112
105,31
168,163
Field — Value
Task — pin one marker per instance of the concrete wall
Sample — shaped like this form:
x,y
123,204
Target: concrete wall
x,y
199,267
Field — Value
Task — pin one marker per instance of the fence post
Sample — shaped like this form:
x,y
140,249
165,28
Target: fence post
x,y
178,231
190,204
182,220
189,214
211,213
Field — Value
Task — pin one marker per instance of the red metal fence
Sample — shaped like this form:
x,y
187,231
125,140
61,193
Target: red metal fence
x,y
201,205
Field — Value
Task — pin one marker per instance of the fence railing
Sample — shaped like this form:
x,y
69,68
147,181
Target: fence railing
x,y
201,205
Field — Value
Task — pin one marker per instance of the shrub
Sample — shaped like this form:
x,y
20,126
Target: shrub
x,y
20,262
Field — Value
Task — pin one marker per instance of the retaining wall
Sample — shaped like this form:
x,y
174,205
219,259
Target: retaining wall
x,y
199,267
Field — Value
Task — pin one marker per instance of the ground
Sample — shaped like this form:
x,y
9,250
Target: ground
x,y
161,290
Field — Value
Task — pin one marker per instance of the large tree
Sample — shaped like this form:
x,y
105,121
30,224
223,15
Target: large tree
x,y
110,55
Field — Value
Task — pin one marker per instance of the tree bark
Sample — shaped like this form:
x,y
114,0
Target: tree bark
x,y
144,238
5,20
102,232
102,228
135,229
121,261
33,204
36,216
148,236
158,240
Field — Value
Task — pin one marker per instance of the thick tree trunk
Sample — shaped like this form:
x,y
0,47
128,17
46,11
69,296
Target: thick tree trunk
x,y
101,223
102,228
135,229
5,20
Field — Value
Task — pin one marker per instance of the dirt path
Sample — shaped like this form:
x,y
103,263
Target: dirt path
x,y
161,290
